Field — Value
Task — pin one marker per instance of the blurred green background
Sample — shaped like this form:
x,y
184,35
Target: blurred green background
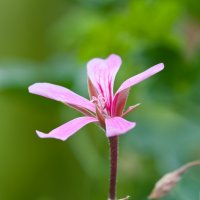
x,y
51,41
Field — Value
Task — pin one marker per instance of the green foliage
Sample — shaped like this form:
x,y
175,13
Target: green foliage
x,y
51,41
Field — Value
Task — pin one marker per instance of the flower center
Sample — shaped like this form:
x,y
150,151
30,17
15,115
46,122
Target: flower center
x,y
100,102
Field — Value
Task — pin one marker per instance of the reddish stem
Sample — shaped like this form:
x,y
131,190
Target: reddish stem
x,y
113,166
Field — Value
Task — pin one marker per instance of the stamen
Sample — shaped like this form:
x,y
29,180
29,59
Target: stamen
x,y
94,100
100,102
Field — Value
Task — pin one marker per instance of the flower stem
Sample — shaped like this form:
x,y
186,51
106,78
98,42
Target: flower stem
x,y
113,166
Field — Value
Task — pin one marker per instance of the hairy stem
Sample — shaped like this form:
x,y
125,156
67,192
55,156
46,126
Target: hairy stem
x,y
113,166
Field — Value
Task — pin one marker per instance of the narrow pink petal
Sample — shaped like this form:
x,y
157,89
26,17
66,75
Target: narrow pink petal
x,y
121,95
117,126
64,131
61,94
102,74
141,77
114,62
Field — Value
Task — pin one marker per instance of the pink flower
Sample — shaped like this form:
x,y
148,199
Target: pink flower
x,y
104,107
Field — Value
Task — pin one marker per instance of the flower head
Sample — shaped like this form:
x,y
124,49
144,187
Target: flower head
x,y
169,180
104,107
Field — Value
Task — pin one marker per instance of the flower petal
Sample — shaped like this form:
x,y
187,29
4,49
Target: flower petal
x,y
140,77
61,94
119,103
66,130
102,75
117,126
121,95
